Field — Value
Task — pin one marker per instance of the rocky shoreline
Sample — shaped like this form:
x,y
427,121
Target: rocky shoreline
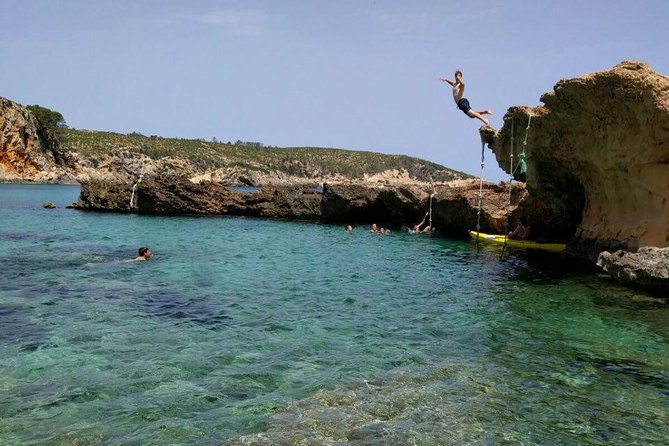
x,y
647,268
454,204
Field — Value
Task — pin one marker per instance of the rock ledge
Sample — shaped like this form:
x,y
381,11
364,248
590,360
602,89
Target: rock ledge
x,y
647,268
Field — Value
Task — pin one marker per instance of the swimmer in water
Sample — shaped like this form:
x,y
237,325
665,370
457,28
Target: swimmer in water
x,y
144,254
416,228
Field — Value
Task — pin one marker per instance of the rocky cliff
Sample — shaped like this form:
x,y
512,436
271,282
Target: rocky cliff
x,y
128,173
28,150
29,153
454,204
598,159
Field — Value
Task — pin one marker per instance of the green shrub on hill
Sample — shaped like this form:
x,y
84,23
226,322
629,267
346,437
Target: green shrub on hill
x,y
301,161
51,119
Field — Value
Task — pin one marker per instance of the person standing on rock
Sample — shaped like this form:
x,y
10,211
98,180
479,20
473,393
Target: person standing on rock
x,y
462,103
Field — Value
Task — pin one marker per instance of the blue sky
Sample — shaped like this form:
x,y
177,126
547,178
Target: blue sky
x,y
349,74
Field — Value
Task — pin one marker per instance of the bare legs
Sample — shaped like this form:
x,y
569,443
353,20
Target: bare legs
x,y
478,115
520,233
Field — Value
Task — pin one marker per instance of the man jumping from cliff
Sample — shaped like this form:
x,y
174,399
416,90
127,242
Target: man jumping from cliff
x,y
462,103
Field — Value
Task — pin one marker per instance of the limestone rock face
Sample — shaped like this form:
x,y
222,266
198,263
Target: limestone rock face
x,y
28,151
598,159
359,203
647,268
454,206
286,203
175,194
158,195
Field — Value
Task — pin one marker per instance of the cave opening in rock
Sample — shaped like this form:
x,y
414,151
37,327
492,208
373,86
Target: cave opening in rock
x,y
555,203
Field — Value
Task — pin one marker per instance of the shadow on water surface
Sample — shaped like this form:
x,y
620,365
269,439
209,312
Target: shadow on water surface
x,y
184,309
636,370
17,328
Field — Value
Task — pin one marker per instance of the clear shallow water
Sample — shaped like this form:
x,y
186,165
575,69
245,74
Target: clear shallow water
x,y
239,326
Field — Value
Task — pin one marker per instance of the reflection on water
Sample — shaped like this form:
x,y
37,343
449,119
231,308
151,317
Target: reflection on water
x,y
278,332
245,189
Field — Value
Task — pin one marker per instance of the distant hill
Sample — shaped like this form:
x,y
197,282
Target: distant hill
x,y
37,146
253,158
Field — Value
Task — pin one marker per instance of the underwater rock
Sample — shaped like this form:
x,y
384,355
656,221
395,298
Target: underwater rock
x,y
49,205
648,268
598,159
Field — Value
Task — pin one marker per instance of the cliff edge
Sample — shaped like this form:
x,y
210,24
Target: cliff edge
x,y
28,150
597,159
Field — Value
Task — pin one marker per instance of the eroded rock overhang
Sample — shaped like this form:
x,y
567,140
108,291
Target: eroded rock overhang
x,y
598,159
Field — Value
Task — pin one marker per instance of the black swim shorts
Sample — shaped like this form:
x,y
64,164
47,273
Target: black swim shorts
x,y
463,104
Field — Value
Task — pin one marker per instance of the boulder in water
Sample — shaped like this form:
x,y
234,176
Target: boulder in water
x,y
648,268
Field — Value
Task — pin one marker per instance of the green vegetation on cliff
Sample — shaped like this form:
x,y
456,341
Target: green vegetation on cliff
x,y
298,161
51,119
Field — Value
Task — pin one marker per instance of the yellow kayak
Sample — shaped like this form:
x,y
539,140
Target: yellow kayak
x,y
499,240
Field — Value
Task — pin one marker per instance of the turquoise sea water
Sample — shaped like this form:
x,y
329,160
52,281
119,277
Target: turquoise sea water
x,y
239,326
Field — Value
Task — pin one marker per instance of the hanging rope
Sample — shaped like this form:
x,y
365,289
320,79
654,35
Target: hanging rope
x,y
134,186
478,214
520,172
513,175
432,194
508,215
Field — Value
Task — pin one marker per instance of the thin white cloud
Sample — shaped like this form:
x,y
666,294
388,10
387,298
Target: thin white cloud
x,y
239,23
420,24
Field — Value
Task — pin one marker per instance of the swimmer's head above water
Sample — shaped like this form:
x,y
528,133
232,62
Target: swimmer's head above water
x,y
143,254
